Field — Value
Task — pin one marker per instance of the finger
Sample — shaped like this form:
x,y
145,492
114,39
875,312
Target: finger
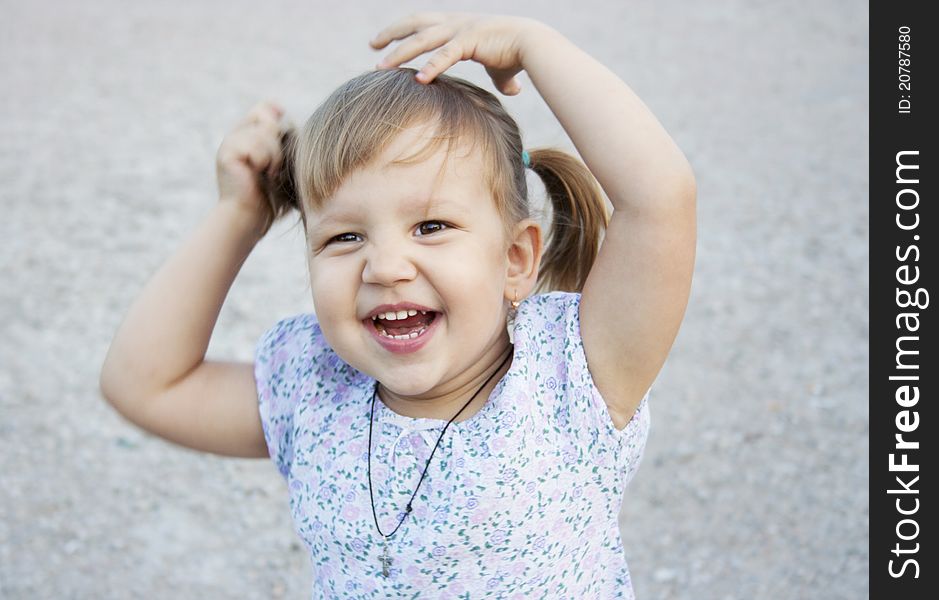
x,y
268,128
505,81
419,43
260,156
252,156
265,111
404,27
268,144
268,109
265,131
263,134
258,152
441,60
277,156
513,88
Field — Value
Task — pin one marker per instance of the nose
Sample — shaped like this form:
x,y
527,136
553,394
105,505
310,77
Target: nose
x,y
388,264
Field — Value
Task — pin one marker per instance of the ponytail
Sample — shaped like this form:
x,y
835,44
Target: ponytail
x,y
281,189
579,219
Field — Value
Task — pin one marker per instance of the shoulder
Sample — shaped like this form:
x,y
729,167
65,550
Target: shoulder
x,y
547,325
292,356
548,337
543,323
292,341
288,332
294,369
547,340
551,309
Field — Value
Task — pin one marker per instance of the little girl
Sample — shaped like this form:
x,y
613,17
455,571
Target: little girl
x,y
461,414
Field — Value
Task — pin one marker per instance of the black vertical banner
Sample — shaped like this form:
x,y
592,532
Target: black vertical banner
x,y
904,368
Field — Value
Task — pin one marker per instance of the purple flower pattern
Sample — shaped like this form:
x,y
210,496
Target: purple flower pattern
x,y
521,500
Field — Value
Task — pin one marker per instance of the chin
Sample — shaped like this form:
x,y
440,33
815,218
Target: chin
x,y
403,383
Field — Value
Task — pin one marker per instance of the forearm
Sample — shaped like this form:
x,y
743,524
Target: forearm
x,y
629,152
167,329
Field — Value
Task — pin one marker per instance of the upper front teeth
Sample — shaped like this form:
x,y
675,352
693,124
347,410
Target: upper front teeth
x,y
394,316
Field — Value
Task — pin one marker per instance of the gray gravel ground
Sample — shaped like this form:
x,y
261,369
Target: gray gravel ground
x,y
755,481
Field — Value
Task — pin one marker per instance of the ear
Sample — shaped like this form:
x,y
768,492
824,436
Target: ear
x,y
523,257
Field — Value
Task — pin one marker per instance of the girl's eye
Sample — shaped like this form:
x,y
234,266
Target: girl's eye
x,y
429,227
344,237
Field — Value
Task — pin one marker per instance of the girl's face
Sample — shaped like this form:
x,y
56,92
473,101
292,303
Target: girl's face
x,y
403,239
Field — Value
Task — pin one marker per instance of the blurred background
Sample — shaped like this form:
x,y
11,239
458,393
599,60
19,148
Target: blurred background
x,y
755,479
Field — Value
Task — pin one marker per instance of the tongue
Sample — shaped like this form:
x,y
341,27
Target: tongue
x,y
403,326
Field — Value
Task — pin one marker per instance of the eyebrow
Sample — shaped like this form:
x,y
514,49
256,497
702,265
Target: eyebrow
x,y
424,205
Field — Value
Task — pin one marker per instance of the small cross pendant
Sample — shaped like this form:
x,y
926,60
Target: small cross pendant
x,y
385,562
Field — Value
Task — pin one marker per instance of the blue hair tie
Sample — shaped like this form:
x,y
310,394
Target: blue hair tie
x,y
525,158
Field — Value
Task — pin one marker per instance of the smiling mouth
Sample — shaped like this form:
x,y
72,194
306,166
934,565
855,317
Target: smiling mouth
x,y
406,328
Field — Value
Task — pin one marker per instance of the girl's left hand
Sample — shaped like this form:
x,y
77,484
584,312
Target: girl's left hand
x,y
496,42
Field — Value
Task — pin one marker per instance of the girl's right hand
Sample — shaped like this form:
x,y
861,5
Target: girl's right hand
x,y
248,160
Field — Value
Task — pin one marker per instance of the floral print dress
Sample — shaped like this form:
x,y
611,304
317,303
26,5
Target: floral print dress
x,y
521,500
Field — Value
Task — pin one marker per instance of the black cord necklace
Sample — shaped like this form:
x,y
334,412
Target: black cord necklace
x,y
385,559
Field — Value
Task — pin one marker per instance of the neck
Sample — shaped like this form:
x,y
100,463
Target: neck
x,y
447,402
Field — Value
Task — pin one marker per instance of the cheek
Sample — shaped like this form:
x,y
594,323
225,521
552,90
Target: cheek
x,y
474,290
473,268
334,304
333,294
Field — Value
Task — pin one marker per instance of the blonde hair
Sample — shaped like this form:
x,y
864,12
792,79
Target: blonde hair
x,y
361,118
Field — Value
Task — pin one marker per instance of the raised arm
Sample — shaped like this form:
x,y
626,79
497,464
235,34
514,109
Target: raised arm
x,y
636,293
155,373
